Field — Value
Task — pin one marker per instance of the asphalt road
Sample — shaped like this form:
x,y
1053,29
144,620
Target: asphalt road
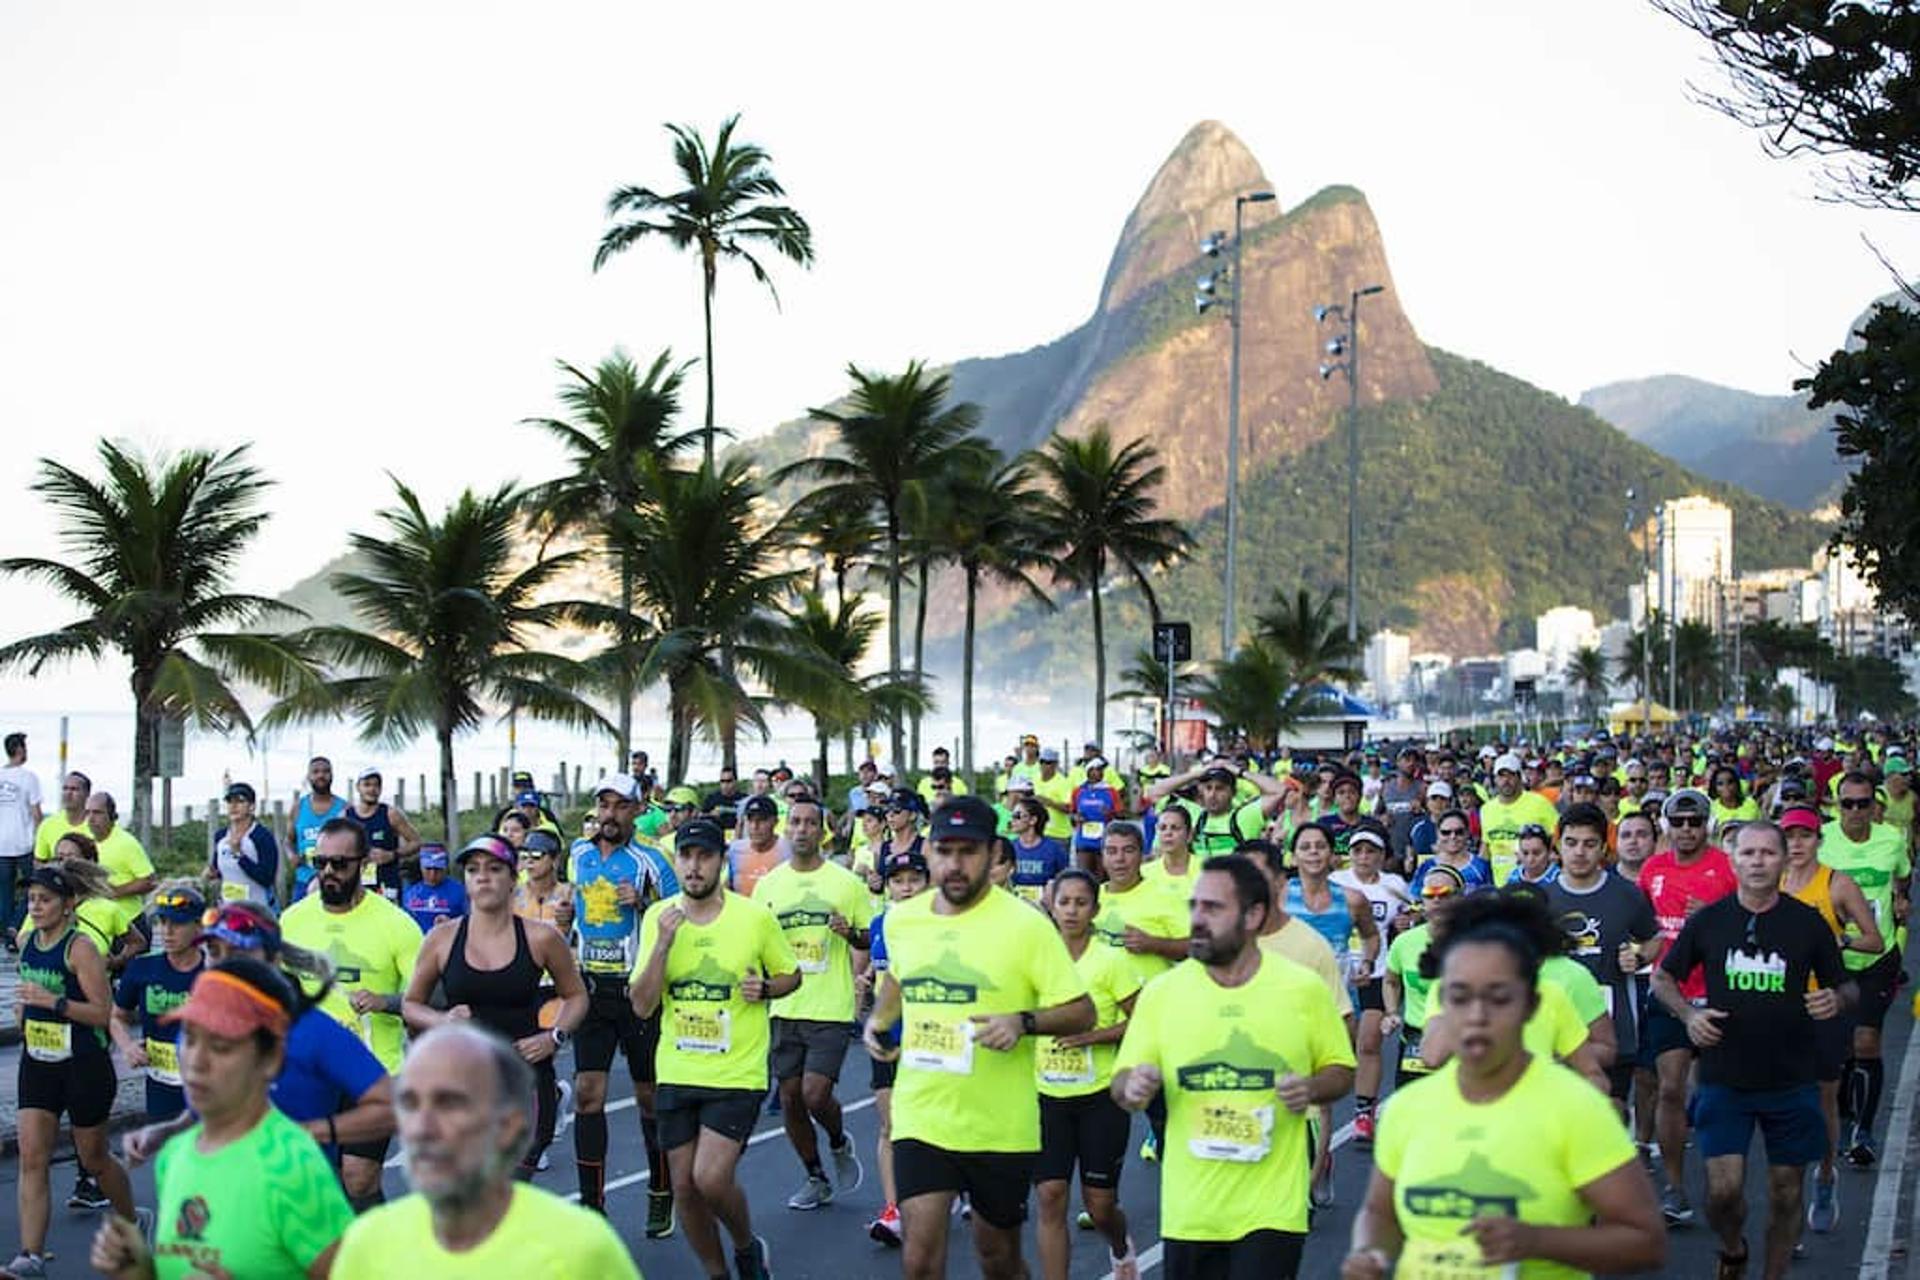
x,y
832,1242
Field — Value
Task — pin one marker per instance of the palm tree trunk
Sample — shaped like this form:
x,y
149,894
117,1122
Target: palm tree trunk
x,y
449,796
623,671
706,316
847,741
820,762
893,629
919,655
1099,667
146,733
966,681
677,734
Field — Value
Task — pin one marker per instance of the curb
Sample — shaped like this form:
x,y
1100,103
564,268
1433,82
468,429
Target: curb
x,y
118,1122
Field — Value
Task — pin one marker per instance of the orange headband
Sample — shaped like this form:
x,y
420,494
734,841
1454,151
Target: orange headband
x,y
229,1006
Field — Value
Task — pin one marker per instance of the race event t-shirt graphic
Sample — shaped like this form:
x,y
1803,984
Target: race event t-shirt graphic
x,y
1477,1190
1763,975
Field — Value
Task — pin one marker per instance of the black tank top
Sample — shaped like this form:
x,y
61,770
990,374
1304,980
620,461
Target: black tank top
x,y
505,1000
380,835
50,968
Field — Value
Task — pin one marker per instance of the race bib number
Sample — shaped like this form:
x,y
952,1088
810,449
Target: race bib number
x,y
810,954
231,892
702,1029
1450,1260
1062,1066
1606,989
604,955
1226,1130
1410,1059
49,1041
938,1044
369,874
163,1062
1031,892
1093,830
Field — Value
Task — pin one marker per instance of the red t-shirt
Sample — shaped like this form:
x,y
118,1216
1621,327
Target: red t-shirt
x,y
1678,891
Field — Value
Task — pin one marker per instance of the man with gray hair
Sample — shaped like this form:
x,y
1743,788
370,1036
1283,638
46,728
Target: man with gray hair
x,y
463,1127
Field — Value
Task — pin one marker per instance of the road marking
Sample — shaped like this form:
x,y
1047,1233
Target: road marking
x,y
765,1135
1876,1258
1157,1254
618,1104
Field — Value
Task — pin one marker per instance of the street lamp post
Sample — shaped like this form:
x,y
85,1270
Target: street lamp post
x,y
1207,296
1347,343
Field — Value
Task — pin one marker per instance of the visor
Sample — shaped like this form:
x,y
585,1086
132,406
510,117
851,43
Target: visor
x,y
492,847
238,927
1802,816
177,906
1366,836
225,1006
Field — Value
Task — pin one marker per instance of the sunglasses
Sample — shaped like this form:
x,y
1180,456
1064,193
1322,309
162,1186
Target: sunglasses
x,y
229,919
1857,803
178,901
1686,820
1532,830
536,853
1453,831
1431,894
334,864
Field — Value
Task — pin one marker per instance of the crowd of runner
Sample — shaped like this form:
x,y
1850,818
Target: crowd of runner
x,y
1543,972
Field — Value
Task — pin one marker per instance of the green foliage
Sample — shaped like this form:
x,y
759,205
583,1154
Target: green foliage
x,y
1311,636
1256,694
1879,385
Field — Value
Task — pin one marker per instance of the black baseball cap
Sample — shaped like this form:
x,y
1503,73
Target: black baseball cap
x,y
759,807
1220,773
701,833
908,861
241,791
963,818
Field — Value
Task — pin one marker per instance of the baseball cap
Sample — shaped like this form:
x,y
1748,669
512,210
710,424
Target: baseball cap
x,y
48,875
178,906
1098,762
908,861
1800,815
760,807
1219,773
684,797
1089,745
241,791
1050,755
1442,789
433,855
243,925
905,798
533,797
877,790
1020,782
491,846
229,1007
963,818
370,771
541,842
701,833
621,784
1686,802
1586,780
1508,763
1896,764
1823,744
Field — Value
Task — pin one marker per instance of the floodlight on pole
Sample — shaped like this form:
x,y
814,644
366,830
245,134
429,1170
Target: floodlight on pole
x,y
1347,344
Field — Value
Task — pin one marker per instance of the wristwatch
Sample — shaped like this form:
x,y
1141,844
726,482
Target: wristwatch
x,y
60,1007
560,1037
1029,1025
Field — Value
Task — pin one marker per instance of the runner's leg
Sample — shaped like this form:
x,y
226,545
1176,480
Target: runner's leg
x,y
999,1250
1727,1202
1050,1229
37,1132
1366,1075
590,1136
1785,1218
823,1106
546,1110
90,1147
883,1143
714,1159
923,1223
1671,1117
696,1217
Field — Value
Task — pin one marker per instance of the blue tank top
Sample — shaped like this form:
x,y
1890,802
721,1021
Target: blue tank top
x,y
1335,924
306,834
380,835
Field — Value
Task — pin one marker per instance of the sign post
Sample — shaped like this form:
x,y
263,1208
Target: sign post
x,y
1172,645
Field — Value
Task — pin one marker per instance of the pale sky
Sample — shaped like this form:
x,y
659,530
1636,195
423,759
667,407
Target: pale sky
x,y
358,236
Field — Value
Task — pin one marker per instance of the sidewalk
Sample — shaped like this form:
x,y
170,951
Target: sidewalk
x,y
9,987
129,1107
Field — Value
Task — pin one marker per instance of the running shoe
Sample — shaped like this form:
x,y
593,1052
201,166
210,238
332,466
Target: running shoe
x,y
1127,1265
1084,1221
1823,1208
1678,1210
28,1266
816,1193
1731,1268
659,1214
87,1194
1861,1153
1321,1195
563,1110
886,1228
847,1171
542,1164
755,1262
1363,1128
143,1223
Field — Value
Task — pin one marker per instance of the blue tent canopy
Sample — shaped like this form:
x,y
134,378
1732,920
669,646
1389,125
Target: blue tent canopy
x,y
1329,702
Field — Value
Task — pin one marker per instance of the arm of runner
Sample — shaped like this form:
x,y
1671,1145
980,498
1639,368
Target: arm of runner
x,y
1138,940
91,969
1103,1035
1171,783
403,827
884,1017
1363,924
131,1047
415,1011
265,869
369,1119
1392,994
1377,1239
1626,1234
1603,1043
659,924
556,957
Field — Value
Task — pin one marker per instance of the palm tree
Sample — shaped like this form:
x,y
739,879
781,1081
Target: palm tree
x,y
453,622
1097,511
896,432
1257,693
1696,661
618,417
707,581
839,638
1650,640
722,212
1311,636
990,534
152,545
839,538
1587,672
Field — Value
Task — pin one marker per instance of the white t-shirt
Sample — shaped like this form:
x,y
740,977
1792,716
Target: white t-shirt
x,y
19,794
1385,899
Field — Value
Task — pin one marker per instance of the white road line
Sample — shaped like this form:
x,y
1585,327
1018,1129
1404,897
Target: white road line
x,y
1876,1258
765,1135
618,1104
1155,1255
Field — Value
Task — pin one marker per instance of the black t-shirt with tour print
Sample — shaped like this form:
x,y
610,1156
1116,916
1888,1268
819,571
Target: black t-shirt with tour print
x,y
1757,966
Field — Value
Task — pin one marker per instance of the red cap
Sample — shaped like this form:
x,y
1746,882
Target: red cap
x,y
1803,816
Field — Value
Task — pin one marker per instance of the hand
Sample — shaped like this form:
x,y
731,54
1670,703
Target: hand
x,y
838,925
1823,1004
37,996
1389,1023
459,1013
996,1031
863,984
365,1002
878,1051
1364,978
1142,1083
563,914
1294,1091
136,1054
1365,1264
626,895
119,1249
1694,904
753,987
1135,940
671,918
535,1048
141,1145
1078,1040
1703,1028
1502,1240
1628,958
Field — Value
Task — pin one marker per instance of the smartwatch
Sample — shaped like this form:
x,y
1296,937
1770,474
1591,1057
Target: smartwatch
x,y
560,1037
1029,1025
60,1007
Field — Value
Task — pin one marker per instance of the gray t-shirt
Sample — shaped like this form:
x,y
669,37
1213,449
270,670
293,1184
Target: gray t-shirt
x,y
1599,920
19,795
1401,805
